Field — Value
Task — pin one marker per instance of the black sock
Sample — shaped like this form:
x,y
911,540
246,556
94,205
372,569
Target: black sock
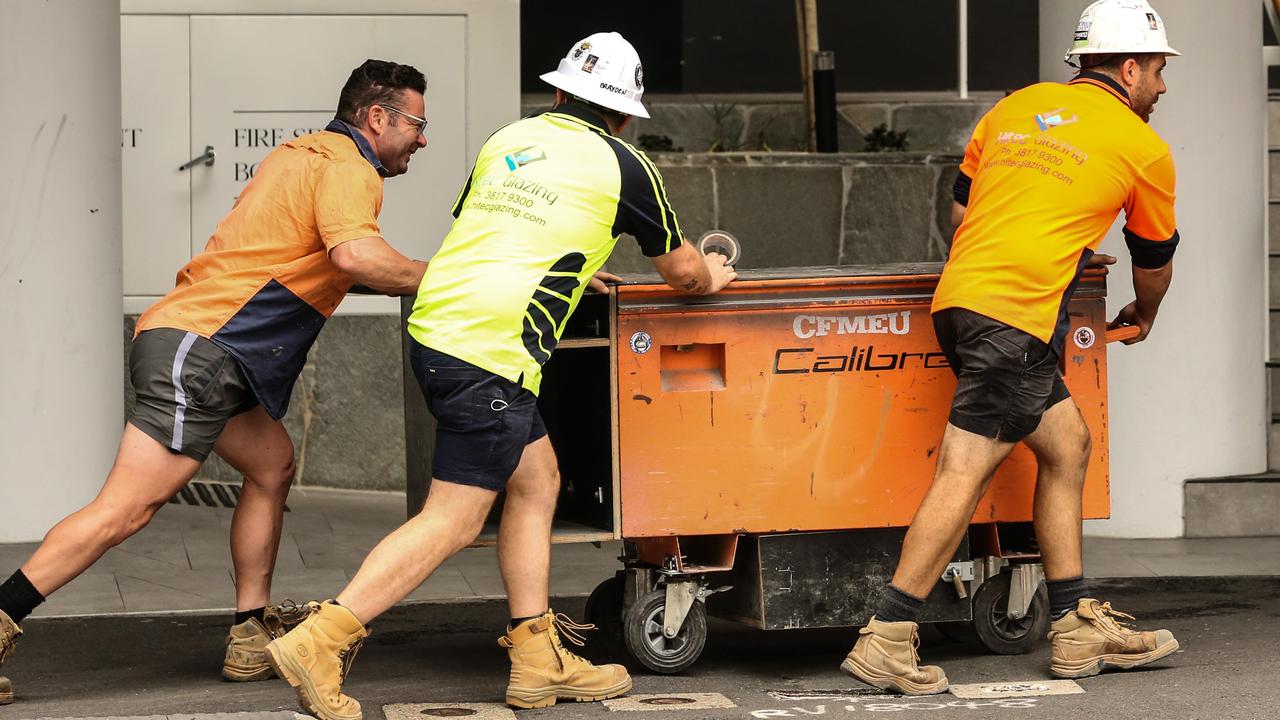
x,y
515,622
1065,595
258,614
897,606
18,597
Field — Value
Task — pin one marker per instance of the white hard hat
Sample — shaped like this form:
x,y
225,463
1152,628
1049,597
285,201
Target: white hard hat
x,y
1120,26
603,69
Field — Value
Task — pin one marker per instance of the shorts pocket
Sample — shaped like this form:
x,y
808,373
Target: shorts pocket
x,y
203,387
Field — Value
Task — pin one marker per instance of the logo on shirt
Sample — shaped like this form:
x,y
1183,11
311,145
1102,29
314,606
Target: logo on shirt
x,y
895,323
1054,118
524,156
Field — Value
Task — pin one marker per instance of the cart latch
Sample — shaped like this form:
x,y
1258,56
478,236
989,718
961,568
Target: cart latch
x,y
958,573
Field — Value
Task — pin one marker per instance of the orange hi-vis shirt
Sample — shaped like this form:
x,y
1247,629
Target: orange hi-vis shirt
x,y
264,286
1044,176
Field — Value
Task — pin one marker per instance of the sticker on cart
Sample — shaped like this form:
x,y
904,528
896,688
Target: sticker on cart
x,y
1084,338
641,342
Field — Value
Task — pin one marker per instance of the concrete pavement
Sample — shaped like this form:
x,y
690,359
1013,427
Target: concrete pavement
x,y
442,661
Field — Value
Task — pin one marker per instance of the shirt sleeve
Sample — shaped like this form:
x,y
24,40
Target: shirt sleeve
x,y
348,200
643,208
1150,230
972,160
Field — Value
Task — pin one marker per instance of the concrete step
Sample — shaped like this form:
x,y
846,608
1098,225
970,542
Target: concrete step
x,y
1240,506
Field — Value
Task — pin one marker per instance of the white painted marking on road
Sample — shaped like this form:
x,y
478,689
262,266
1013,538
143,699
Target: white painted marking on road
x,y
432,711
1025,688
668,701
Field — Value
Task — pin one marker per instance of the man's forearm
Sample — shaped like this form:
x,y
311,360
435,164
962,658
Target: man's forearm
x,y
375,264
1149,287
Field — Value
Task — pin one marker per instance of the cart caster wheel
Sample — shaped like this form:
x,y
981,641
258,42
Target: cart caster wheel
x,y
996,630
642,629
604,610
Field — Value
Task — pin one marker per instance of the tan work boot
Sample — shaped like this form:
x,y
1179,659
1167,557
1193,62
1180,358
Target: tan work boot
x,y
315,658
1089,639
542,670
885,657
9,634
246,658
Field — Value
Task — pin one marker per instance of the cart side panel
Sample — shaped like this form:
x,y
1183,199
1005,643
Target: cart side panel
x,y
808,415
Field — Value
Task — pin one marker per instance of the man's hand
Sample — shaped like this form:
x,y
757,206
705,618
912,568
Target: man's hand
x,y
597,282
721,274
1129,315
1098,260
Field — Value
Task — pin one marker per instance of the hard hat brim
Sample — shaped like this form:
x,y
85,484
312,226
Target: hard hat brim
x,y
574,86
1165,50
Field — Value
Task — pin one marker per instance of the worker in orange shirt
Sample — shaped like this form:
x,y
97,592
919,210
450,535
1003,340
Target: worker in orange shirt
x,y
1045,174
214,361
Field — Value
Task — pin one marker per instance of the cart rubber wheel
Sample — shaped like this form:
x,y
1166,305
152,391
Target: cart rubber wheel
x,y
642,629
996,630
604,610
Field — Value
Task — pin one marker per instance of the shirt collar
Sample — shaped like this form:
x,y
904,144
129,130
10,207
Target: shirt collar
x,y
343,127
1088,77
583,113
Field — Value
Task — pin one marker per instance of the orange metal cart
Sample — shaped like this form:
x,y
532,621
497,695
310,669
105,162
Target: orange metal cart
x,y
761,453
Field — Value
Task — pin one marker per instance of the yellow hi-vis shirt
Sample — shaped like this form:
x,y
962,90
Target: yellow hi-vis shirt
x,y
1044,176
540,214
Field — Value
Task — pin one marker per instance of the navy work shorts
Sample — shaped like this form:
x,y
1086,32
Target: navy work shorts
x,y
483,421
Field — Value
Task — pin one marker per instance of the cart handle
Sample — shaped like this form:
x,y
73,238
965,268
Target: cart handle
x,y
1126,332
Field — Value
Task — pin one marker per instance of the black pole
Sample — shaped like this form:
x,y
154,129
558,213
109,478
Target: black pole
x,y
824,100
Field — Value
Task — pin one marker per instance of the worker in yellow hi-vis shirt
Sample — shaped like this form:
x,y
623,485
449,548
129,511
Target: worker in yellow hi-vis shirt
x,y
1047,171
540,214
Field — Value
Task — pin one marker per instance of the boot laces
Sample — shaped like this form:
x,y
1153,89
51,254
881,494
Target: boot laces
x,y
1114,617
8,640
563,625
280,619
347,656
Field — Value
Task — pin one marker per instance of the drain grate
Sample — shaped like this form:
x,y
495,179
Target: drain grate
x,y
203,493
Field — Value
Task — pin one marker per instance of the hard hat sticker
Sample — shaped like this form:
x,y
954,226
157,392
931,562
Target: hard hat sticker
x,y
641,343
590,64
577,52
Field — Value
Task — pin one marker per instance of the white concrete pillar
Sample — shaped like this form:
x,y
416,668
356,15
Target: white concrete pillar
x,y
1190,401
61,405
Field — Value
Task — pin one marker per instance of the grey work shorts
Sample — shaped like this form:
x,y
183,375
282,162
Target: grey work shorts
x,y
187,389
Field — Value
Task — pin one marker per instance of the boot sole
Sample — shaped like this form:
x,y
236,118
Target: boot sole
x,y
6,698
546,697
854,666
298,679
1093,666
232,673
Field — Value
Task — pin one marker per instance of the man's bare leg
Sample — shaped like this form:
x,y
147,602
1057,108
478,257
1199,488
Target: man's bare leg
x,y
966,462
524,536
260,449
144,477
451,518
1062,445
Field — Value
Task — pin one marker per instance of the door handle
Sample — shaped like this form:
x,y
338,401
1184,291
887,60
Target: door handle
x,y
206,159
